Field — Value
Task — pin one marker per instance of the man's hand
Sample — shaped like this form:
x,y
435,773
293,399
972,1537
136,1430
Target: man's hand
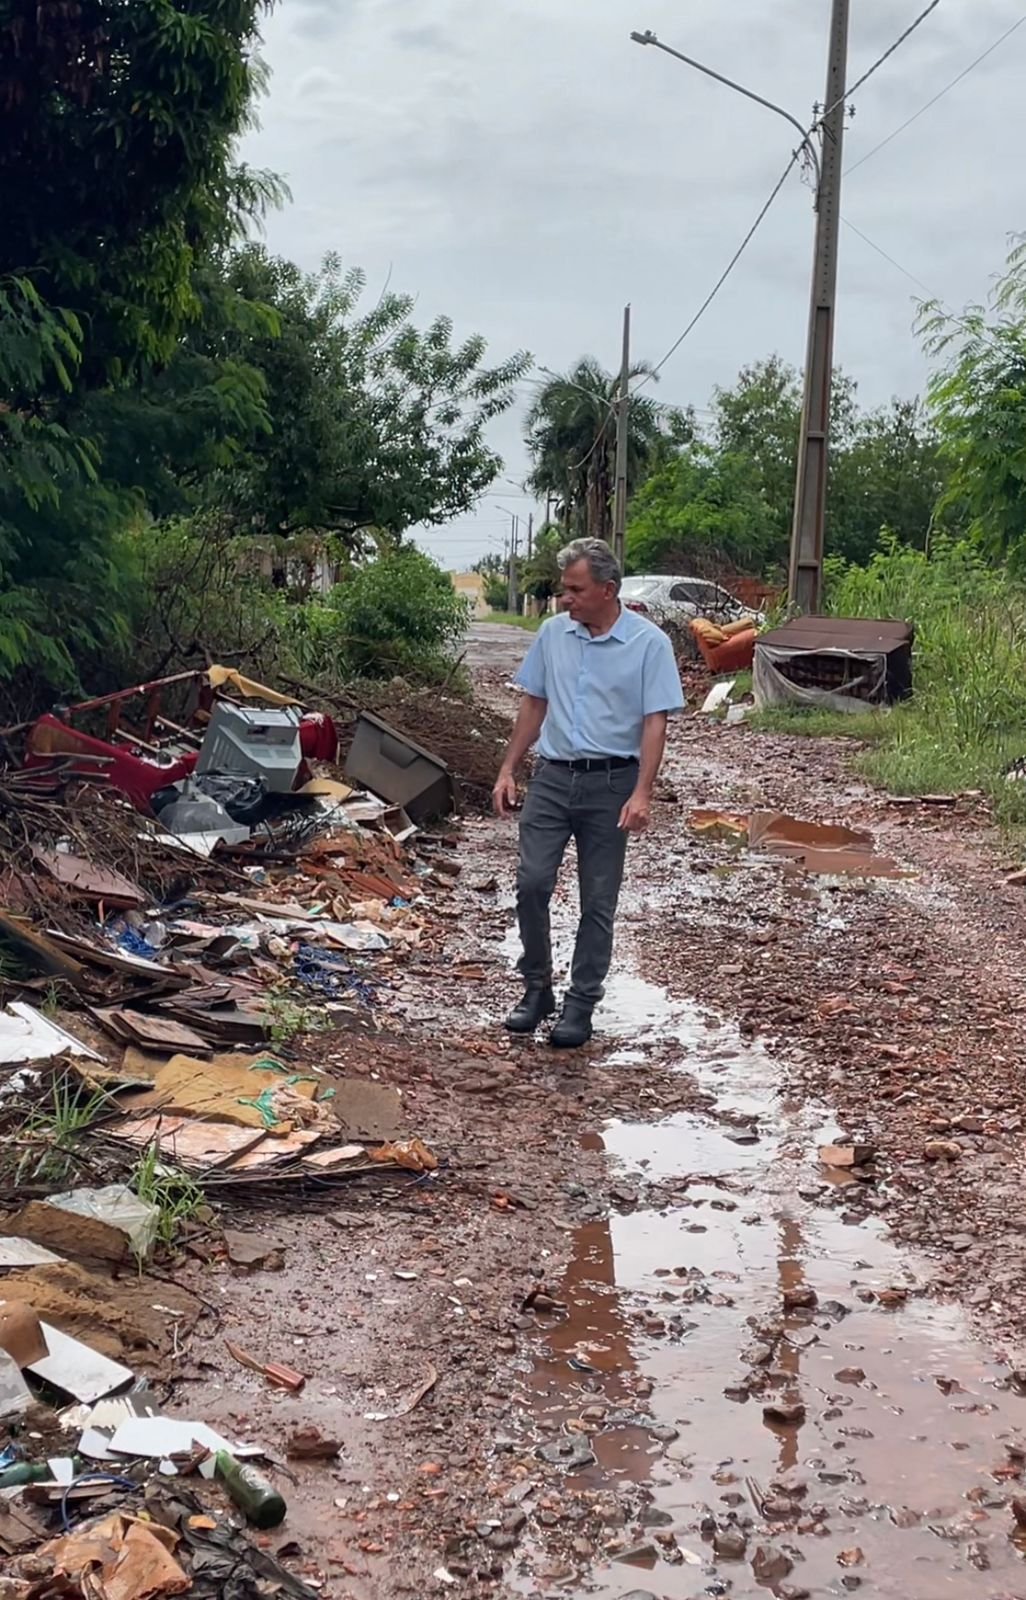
x,y
504,795
637,813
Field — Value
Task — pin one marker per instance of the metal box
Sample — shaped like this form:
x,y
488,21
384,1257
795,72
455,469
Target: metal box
x,y
262,742
389,764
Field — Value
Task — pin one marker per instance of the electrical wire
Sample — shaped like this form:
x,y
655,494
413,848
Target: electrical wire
x,y
897,264
938,96
738,253
857,85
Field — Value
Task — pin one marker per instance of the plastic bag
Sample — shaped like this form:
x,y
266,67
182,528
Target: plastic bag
x,y
118,1207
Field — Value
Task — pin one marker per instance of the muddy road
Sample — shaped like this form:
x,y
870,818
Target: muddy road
x,y
637,1340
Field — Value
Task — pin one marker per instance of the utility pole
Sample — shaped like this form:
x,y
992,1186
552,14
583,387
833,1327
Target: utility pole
x,y
530,535
514,597
807,532
622,409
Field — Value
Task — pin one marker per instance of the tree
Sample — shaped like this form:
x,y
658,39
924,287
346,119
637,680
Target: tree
x,y
118,180
889,475
541,575
705,513
571,437
978,401
373,423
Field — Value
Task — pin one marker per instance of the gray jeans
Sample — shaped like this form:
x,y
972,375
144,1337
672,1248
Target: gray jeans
x,y
562,804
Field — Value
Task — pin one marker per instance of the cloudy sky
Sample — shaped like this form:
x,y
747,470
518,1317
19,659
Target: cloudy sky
x,y
525,168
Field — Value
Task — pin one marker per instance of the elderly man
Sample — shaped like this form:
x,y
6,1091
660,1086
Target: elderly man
x,y
599,683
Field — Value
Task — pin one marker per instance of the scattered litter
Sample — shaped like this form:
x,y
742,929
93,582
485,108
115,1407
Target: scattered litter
x,y
158,1438
282,1377
15,1394
77,1370
718,695
25,1253
411,1154
113,1208
119,1559
26,1035
412,1401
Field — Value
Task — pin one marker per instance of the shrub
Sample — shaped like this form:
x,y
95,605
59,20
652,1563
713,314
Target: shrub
x,y
399,614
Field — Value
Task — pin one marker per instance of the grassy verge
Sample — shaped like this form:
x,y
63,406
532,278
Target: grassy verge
x,y
514,620
966,721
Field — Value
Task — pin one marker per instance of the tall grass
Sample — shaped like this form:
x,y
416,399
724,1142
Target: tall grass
x,y
966,720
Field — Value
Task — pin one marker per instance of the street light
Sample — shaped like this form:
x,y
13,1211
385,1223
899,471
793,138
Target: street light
x,y
806,143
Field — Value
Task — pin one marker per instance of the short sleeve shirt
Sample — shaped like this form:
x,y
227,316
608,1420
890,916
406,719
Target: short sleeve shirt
x,y
599,689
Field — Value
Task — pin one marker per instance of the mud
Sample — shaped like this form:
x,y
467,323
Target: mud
x,y
675,1355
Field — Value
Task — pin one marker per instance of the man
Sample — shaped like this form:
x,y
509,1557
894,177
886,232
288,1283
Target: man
x,y
599,683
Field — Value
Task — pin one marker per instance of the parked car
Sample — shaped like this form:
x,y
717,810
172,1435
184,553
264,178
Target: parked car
x,y
676,599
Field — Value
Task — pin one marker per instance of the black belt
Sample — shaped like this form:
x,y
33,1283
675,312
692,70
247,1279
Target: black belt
x,y
596,763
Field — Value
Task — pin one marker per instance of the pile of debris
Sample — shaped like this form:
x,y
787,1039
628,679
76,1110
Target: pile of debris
x,y
185,905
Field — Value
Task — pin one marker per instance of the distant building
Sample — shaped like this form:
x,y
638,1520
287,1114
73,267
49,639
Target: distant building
x,y
471,586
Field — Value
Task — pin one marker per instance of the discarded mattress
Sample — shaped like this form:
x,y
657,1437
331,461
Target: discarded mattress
x,y
834,663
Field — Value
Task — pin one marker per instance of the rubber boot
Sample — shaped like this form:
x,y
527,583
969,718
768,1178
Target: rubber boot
x,y
537,1004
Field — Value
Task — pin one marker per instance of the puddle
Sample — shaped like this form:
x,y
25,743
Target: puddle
x,y
904,1422
818,848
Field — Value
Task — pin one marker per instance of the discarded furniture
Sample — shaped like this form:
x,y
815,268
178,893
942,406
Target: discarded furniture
x,y
725,649
389,764
837,663
128,740
260,741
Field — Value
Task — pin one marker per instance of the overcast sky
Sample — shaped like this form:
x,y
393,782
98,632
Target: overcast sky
x,y
525,168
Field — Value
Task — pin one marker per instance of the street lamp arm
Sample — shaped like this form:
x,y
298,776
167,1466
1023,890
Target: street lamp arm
x,y
749,94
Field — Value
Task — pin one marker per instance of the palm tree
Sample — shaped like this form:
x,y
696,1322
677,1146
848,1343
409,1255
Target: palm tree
x,y
571,436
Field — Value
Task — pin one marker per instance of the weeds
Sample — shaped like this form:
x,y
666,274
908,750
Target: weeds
x,y
52,1128
291,1018
966,720
177,1197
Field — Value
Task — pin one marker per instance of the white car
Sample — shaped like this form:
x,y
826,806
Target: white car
x,y
679,600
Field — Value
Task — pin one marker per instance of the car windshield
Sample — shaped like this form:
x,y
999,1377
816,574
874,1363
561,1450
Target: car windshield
x,y
638,588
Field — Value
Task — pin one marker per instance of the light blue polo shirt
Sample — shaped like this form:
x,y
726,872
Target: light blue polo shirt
x,y
599,689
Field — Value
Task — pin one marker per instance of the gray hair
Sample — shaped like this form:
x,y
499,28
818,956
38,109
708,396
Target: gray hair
x,y
602,563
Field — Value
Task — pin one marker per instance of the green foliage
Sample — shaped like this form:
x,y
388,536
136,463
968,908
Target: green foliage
x,y
726,501
571,438
967,718
704,508
541,575
177,1197
978,398
119,184
372,423
201,596
399,614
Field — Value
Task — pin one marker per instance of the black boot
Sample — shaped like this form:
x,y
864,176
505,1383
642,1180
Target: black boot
x,y
573,1028
538,1003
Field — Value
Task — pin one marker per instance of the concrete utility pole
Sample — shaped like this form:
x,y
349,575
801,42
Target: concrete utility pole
x,y
514,597
622,416
807,533
530,536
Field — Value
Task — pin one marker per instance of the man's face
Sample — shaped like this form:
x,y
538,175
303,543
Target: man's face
x,y
587,601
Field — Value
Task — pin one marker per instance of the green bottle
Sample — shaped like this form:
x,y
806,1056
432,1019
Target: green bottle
x,y
250,1491
25,1472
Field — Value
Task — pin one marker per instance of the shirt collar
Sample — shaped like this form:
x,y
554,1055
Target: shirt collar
x,y
617,631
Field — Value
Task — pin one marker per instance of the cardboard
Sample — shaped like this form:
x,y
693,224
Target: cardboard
x,y
228,1088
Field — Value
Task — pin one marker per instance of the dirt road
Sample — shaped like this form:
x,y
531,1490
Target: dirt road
x,y
637,1340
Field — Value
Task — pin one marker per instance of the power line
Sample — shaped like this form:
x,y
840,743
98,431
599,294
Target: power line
x,y
882,252
857,85
938,96
739,252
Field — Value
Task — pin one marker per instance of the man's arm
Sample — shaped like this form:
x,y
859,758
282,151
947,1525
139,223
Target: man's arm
x,y
526,729
636,814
